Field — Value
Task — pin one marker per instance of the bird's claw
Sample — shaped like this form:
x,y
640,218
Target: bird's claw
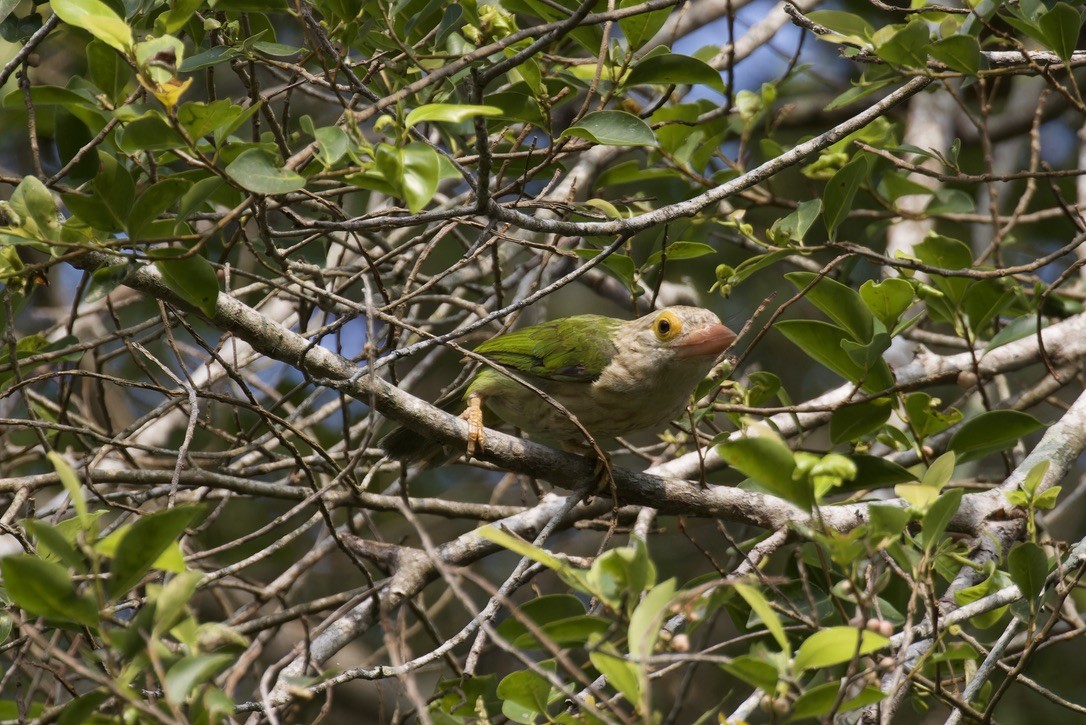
x,y
474,416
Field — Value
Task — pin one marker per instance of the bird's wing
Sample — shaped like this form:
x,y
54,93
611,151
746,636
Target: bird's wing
x,y
572,349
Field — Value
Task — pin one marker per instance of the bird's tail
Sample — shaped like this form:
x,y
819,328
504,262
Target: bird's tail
x,y
410,446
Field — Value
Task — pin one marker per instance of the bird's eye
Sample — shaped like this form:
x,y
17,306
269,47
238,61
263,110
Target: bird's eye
x,y
667,326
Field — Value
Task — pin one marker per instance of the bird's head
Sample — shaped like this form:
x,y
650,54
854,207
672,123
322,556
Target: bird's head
x,y
676,335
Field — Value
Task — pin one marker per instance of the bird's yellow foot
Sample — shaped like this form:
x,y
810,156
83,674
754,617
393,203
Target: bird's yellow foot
x,y
474,416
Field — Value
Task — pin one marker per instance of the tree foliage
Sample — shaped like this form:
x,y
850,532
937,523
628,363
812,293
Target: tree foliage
x,y
242,240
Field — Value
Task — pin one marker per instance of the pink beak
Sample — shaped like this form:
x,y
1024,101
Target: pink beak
x,y
710,340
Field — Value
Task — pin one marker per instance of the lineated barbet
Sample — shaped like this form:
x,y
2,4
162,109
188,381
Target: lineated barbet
x,y
616,376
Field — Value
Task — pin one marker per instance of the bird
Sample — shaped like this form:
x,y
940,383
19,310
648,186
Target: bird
x,y
615,376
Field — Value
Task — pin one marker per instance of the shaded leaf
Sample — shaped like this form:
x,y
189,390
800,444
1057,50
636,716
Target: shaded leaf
x,y
758,604
934,523
190,672
258,171
1028,567
990,432
852,422
144,542
672,68
840,192
192,277
612,128
45,589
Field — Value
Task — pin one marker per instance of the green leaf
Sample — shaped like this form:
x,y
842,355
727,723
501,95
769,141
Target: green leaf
x,y
521,547
541,610
1021,327
332,144
571,632
72,135
818,701
855,421
72,485
214,56
924,416
190,672
674,69
887,300
846,26
623,267
96,18
984,301
518,107
836,645
868,354
276,50
192,278
1035,476
82,709
958,52
104,280
754,671
840,302
155,200
645,622
171,601
640,29
619,576
887,521
770,464
938,515
758,604
149,132
414,171
908,47
995,581
992,431
260,172
620,673
201,119
1046,499
917,495
107,69
840,192
1028,567
612,128
677,251
1060,27
448,113
950,201
940,471
175,18
822,342
53,545
49,96
876,471
144,542
947,253
525,694
45,589
794,226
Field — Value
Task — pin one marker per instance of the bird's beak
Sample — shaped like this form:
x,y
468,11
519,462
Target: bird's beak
x,y
710,340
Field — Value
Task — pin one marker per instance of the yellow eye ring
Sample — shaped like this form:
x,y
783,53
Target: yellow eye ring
x,y
667,326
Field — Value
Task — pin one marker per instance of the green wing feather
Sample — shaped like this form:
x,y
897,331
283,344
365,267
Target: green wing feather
x,y
572,349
